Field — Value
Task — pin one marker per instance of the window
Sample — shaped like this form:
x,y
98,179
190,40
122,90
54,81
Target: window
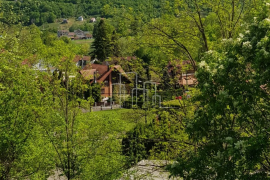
x,y
106,83
102,91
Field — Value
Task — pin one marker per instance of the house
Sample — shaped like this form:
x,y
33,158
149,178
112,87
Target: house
x,y
71,35
65,21
76,35
182,72
80,18
93,20
38,66
62,33
79,34
106,75
82,61
89,36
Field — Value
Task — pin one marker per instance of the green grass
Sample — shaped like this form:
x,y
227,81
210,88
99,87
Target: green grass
x,y
83,41
172,103
129,117
57,25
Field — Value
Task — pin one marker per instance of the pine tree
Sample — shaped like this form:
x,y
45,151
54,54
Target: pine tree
x,y
101,45
115,49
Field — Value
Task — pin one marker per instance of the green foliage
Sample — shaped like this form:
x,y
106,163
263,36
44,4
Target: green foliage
x,y
94,91
43,129
40,12
42,125
102,43
21,143
230,128
83,27
162,138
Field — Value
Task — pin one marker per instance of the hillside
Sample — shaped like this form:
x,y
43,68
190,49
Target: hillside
x,y
40,12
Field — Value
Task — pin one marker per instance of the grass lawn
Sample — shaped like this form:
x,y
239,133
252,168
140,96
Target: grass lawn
x,y
172,103
83,41
60,26
128,117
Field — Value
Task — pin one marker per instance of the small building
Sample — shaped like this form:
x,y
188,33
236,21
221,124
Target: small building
x,y
71,35
38,65
89,36
80,18
107,75
65,21
82,61
182,72
76,35
62,33
93,20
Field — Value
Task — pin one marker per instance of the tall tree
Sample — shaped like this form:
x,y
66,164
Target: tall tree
x,y
231,126
21,143
101,44
115,49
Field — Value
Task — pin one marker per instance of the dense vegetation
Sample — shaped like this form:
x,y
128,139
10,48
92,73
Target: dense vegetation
x,y
217,130
39,12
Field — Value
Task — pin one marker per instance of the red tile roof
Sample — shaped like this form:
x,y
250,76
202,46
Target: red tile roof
x,y
88,74
86,58
78,57
103,71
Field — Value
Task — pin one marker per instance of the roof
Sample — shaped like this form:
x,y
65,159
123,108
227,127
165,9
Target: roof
x,y
88,74
71,34
119,68
78,58
80,36
29,61
103,71
188,80
86,58
176,68
78,31
63,30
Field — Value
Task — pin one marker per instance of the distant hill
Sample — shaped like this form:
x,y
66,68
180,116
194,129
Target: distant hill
x,y
42,11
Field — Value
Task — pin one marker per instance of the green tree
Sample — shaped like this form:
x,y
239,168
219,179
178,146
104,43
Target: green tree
x,y
162,138
22,148
73,27
76,138
231,125
115,49
51,18
101,44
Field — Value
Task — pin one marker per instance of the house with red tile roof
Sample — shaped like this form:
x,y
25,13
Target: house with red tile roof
x,y
82,61
105,75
